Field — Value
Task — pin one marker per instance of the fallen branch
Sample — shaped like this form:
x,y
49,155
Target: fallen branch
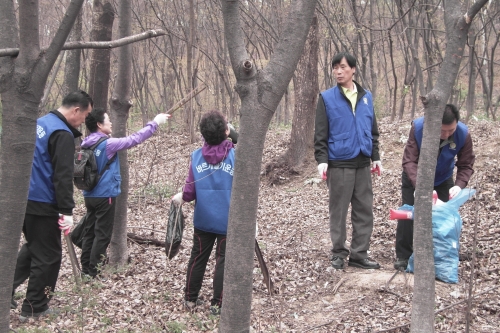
x,y
143,240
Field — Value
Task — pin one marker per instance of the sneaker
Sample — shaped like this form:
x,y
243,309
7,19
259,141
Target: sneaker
x,y
337,262
401,264
25,315
13,304
190,305
215,310
364,263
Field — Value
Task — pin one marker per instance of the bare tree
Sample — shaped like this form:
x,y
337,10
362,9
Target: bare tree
x,y
260,92
457,27
22,80
120,104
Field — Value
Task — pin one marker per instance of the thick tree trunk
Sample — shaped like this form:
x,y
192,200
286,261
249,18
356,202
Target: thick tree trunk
x,y
457,27
102,30
260,93
22,80
120,104
306,98
73,60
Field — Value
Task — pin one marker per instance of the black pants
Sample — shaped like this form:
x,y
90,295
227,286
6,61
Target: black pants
x,y
39,260
404,231
99,225
203,243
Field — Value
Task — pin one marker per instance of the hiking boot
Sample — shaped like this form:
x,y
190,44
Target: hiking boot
x,y
13,304
190,305
25,315
364,263
401,264
337,262
215,310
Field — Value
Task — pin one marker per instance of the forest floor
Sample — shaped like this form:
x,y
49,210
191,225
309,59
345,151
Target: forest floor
x,y
310,296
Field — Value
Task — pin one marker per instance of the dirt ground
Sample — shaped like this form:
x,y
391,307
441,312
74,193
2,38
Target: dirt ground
x,y
310,296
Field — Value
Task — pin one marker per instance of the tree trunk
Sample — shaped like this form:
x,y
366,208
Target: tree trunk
x,y
260,93
22,80
120,103
471,91
102,30
422,318
306,98
73,57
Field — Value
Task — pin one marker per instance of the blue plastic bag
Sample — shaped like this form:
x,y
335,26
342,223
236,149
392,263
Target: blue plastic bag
x,y
446,229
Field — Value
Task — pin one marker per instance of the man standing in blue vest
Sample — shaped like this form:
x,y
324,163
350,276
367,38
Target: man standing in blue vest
x,y
455,142
346,144
50,203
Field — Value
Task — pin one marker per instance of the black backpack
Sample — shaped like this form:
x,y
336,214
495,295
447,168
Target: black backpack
x,y
86,175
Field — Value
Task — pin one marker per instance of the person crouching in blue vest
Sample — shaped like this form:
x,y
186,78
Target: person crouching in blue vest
x,y
209,182
100,201
455,149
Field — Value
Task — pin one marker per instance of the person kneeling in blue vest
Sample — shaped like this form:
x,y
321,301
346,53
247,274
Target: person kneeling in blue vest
x,y
100,201
209,182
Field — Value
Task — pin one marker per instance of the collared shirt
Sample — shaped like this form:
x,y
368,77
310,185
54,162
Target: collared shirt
x,y
352,95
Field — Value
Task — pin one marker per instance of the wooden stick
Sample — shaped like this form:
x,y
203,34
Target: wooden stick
x,y
186,99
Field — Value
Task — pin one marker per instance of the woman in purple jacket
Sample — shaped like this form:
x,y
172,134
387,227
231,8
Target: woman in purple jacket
x,y
100,201
209,183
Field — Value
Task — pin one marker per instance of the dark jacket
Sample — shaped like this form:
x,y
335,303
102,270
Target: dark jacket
x,y
322,133
61,150
464,163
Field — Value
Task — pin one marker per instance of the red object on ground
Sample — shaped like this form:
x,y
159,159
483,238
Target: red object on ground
x,y
400,214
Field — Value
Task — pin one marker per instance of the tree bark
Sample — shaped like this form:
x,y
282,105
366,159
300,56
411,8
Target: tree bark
x,y
120,104
260,93
22,81
73,59
102,30
457,27
306,98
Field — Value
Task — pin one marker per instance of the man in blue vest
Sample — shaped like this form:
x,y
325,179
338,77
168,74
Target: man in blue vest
x,y
455,142
50,200
346,145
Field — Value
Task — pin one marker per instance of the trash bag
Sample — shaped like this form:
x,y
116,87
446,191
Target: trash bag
x,y
446,229
79,231
175,229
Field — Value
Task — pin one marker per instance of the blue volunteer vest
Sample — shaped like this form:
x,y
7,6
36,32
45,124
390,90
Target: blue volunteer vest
x,y
109,186
349,134
42,173
213,192
446,159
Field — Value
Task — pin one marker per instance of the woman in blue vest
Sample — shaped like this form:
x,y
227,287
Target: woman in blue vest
x,y
209,183
100,201
455,144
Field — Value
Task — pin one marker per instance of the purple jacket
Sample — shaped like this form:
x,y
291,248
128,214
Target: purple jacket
x,y
114,145
213,155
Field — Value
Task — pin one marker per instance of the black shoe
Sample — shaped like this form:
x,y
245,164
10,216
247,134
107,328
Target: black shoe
x,y
215,310
401,264
13,304
337,262
364,263
49,312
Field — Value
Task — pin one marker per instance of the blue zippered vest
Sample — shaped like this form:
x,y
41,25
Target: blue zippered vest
x,y
446,159
42,173
109,186
349,134
213,192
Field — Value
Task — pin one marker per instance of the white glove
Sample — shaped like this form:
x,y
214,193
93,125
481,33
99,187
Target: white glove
x,y
161,118
322,167
177,199
454,191
65,223
378,164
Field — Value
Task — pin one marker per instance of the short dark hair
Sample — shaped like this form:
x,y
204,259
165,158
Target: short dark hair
x,y
94,117
450,114
213,126
351,60
78,98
